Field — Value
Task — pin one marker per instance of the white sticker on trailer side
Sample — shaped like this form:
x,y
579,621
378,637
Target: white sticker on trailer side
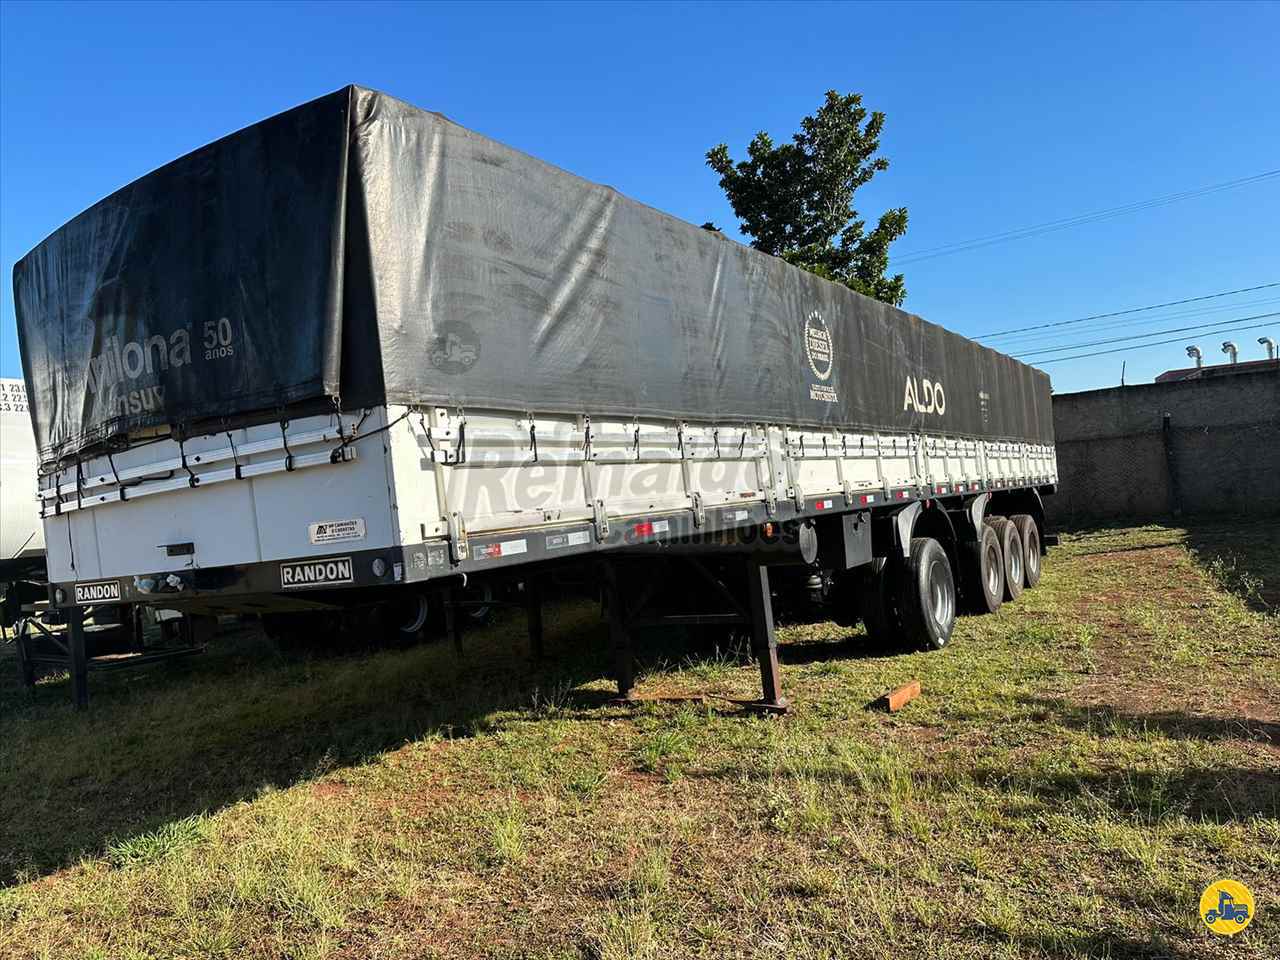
x,y
336,531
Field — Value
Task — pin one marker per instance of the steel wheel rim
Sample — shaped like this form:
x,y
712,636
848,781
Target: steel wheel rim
x,y
993,569
1015,565
940,598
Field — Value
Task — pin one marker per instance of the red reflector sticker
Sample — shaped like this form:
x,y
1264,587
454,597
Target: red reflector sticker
x,y
822,505
902,494
868,498
649,527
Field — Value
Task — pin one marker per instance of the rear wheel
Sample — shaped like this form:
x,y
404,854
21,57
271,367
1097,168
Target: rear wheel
x,y
404,618
1030,534
927,596
877,605
983,572
1012,552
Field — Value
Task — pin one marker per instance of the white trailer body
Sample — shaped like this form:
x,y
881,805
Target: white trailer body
x,y
397,495
21,532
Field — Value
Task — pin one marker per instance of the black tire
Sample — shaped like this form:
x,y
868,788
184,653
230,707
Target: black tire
x,y
877,605
1029,531
402,622
983,574
927,596
1011,550
478,616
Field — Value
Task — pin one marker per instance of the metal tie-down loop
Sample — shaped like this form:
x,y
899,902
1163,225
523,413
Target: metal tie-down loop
x,y
284,439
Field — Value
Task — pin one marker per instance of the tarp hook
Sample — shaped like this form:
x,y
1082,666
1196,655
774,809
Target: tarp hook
x,y
192,479
284,439
120,486
235,457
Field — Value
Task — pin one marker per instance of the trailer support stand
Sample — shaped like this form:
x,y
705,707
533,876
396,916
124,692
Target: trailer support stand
x,y
764,640
624,659
79,662
452,622
533,607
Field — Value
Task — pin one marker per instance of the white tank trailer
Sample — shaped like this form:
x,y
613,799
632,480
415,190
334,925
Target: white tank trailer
x,y
356,356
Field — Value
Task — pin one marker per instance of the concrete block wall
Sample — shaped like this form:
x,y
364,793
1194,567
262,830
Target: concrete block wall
x,y
1119,462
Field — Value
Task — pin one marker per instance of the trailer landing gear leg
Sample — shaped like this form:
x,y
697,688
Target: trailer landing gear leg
x,y
79,662
452,622
624,659
533,607
764,642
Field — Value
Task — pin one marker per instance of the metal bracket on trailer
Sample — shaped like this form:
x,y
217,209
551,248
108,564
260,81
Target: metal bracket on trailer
x,y
699,512
601,520
457,536
845,487
764,474
793,474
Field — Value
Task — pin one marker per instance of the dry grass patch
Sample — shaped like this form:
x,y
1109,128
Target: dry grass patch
x,y
1079,767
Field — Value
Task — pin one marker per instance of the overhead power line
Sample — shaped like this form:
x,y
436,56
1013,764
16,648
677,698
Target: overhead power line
x,y
1121,313
1050,226
1033,341
1198,327
1140,346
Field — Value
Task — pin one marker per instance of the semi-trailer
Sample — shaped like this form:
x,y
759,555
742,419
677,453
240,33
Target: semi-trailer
x,y
22,568
355,357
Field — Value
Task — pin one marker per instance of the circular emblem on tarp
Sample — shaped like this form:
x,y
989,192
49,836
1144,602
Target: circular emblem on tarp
x,y
455,348
817,345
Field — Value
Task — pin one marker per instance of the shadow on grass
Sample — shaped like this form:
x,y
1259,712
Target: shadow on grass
x,y
1239,559
1116,945
158,745
1104,720
164,743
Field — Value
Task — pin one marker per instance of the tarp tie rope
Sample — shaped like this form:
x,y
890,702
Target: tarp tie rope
x,y
533,438
235,457
284,439
120,486
192,479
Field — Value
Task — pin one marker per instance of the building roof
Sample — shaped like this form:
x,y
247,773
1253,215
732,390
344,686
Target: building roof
x,y
1218,370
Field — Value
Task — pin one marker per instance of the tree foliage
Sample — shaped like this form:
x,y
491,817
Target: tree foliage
x,y
795,200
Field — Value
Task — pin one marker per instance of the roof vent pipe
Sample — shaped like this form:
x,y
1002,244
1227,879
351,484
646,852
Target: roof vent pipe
x,y
1194,352
1270,345
1231,350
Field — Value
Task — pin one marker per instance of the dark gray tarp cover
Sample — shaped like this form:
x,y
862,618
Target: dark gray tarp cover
x,y
357,250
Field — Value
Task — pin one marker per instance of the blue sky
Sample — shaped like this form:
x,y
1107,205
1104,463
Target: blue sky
x,y
999,117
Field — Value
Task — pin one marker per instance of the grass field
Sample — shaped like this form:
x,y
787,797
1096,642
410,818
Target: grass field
x,y
1079,768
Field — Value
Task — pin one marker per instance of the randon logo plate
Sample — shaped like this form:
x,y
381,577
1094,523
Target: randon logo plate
x,y
98,591
316,573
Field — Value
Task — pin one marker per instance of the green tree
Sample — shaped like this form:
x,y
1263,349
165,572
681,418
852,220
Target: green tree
x,y
795,200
